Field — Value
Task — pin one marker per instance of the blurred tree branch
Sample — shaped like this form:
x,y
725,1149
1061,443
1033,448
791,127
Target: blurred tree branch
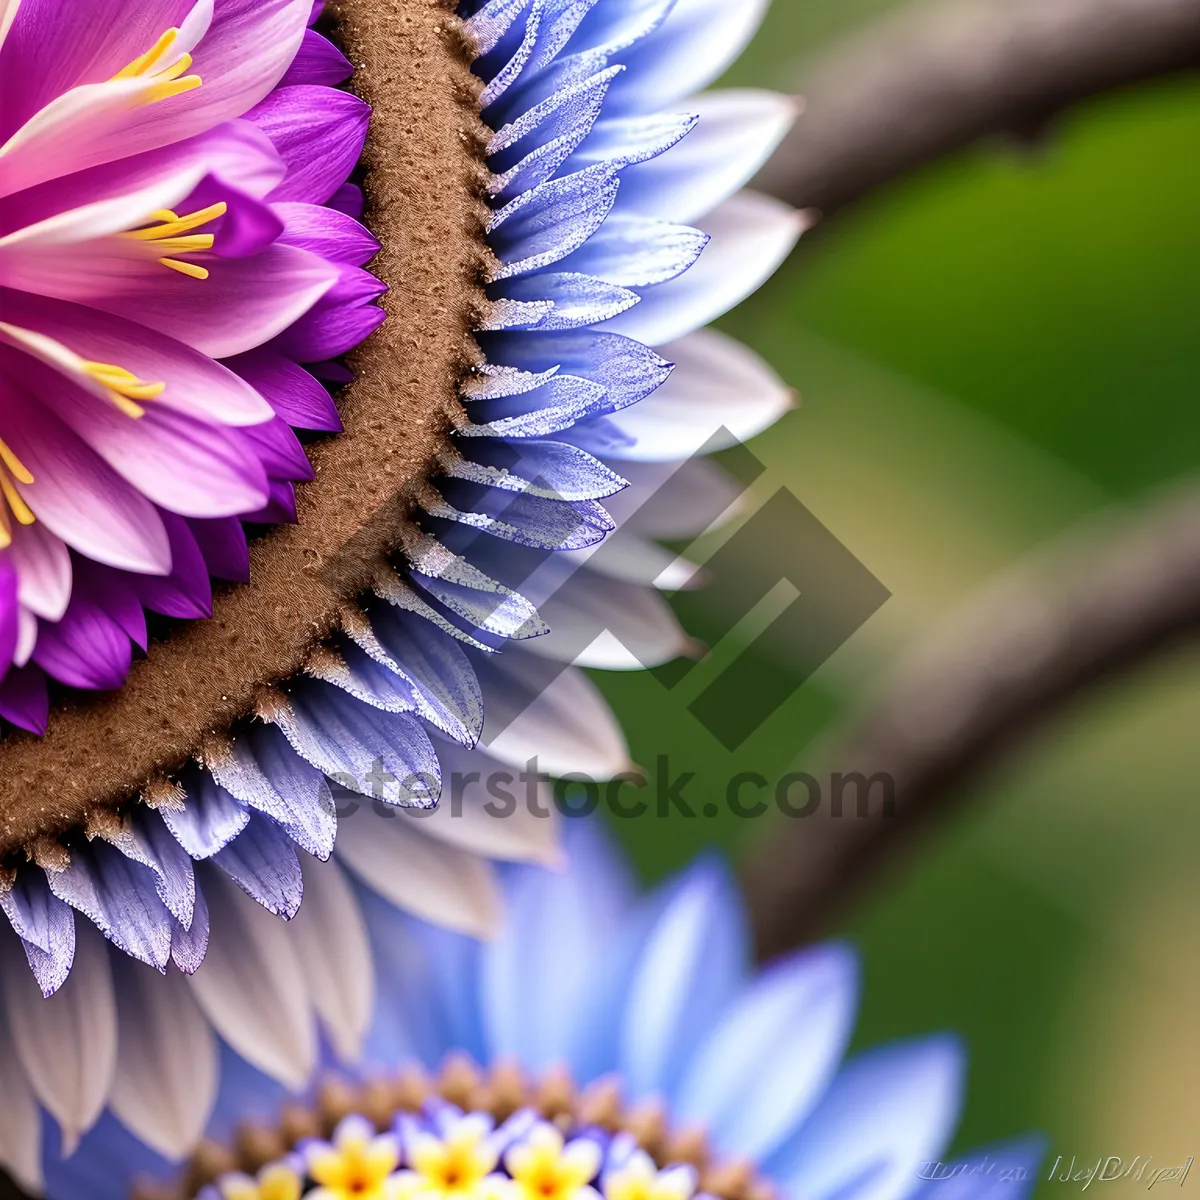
x,y
934,79
1082,614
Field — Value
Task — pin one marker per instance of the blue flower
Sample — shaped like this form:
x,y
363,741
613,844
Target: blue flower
x,y
624,1021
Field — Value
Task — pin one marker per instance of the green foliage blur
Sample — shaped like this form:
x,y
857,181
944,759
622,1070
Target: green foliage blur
x,y
989,354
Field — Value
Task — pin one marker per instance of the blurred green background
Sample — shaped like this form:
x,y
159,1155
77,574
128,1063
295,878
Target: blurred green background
x,y
988,354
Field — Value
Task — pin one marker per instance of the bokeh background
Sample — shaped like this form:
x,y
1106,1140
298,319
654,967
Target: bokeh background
x,y
990,353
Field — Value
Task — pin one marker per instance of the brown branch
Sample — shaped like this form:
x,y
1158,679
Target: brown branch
x,y
936,79
979,687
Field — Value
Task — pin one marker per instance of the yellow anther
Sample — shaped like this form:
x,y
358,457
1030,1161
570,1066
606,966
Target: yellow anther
x,y
167,82
14,464
185,268
172,225
144,62
186,245
123,387
10,500
164,91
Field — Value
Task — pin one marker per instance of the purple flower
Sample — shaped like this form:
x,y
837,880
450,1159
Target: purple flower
x,y
164,167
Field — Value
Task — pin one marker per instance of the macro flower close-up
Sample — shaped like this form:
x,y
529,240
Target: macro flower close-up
x,y
605,1044
184,288
406,500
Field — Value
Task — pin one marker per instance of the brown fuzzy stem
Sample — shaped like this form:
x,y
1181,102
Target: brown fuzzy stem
x,y
980,686
935,79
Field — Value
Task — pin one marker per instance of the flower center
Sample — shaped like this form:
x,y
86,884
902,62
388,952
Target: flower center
x,y
173,234
466,1135
167,79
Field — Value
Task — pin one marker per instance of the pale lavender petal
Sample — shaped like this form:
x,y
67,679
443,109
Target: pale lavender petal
x,y
262,862
45,925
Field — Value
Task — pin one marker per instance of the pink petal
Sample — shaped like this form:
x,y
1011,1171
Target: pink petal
x,y
44,568
76,494
243,303
9,613
241,58
182,464
195,385
55,47
237,154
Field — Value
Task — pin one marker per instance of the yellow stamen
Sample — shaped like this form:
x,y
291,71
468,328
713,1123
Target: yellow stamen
x,y
187,245
166,236
144,62
164,91
123,387
185,268
171,224
14,464
19,508
167,82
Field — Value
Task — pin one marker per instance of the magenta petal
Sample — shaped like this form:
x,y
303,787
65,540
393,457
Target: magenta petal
x,y
222,541
280,509
338,322
319,62
289,389
349,199
248,227
10,626
319,133
317,9
325,231
24,699
186,593
86,649
279,450
113,592
332,371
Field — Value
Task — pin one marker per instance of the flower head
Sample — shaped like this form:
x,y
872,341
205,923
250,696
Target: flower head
x,y
278,1181
559,221
456,1162
648,1063
156,247
544,1166
356,1165
639,1178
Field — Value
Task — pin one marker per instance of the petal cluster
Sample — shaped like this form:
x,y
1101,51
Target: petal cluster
x,y
162,237
618,230
649,1001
